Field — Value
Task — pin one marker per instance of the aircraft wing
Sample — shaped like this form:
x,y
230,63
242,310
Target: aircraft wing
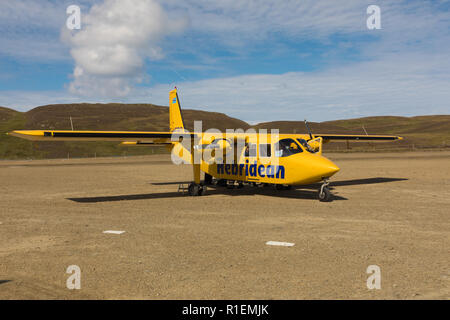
x,y
122,136
372,137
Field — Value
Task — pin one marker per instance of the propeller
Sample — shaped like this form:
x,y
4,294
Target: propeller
x,y
309,130
313,144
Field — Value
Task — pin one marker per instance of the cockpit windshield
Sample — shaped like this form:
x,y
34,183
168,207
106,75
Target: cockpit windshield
x,y
287,147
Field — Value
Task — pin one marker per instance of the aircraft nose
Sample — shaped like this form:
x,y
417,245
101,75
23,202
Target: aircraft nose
x,y
327,168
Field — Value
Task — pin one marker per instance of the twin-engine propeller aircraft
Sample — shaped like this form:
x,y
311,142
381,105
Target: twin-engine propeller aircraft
x,y
282,160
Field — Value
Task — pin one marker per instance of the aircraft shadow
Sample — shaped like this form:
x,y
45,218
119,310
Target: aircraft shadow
x,y
123,197
268,191
297,192
4,281
169,183
211,190
315,185
353,182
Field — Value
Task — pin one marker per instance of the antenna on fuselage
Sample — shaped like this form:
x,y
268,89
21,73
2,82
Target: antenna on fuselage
x,y
309,130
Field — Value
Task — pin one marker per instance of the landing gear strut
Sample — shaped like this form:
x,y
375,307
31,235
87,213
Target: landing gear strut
x,y
324,193
208,179
195,189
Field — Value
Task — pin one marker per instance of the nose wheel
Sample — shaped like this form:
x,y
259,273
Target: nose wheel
x,y
325,194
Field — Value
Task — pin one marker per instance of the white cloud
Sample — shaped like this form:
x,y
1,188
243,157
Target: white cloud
x,y
115,39
404,85
30,27
404,69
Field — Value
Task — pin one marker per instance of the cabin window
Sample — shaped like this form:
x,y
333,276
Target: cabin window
x,y
264,150
287,147
250,150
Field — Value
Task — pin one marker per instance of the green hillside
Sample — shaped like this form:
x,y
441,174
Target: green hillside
x,y
419,132
15,148
422,132
85,116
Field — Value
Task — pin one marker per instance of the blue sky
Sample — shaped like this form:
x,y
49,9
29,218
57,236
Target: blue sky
x,y
255,60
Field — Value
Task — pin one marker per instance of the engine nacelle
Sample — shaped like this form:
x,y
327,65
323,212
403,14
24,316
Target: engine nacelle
x,y
316,145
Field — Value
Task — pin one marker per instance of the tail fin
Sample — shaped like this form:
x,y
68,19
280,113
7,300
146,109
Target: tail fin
x,y
176,119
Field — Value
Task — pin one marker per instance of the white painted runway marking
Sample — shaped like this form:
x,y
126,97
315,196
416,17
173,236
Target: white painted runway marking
x,y
114,231
278,243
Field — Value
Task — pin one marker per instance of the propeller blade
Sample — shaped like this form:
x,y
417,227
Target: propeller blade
x,y
309,130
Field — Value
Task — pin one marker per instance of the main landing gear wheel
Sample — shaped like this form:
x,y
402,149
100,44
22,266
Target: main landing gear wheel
x,y
195,189
325,194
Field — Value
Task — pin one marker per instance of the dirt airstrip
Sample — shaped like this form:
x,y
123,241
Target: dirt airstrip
x,y
391,210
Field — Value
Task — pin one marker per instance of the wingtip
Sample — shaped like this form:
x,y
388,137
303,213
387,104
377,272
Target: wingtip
x,y
12,133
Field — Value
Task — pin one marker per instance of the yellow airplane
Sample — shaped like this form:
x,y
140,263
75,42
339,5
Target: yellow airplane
x,y
282,160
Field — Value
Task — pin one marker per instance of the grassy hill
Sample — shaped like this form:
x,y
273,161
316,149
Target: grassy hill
x,y
146,117
15,148
419,132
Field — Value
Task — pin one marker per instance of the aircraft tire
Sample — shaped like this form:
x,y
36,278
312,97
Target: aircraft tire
x,y
195,190
325,195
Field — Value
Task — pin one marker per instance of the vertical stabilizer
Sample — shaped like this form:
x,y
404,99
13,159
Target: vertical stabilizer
x,y
176,119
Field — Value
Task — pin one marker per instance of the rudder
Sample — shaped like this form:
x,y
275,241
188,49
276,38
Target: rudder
x,y
176,119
